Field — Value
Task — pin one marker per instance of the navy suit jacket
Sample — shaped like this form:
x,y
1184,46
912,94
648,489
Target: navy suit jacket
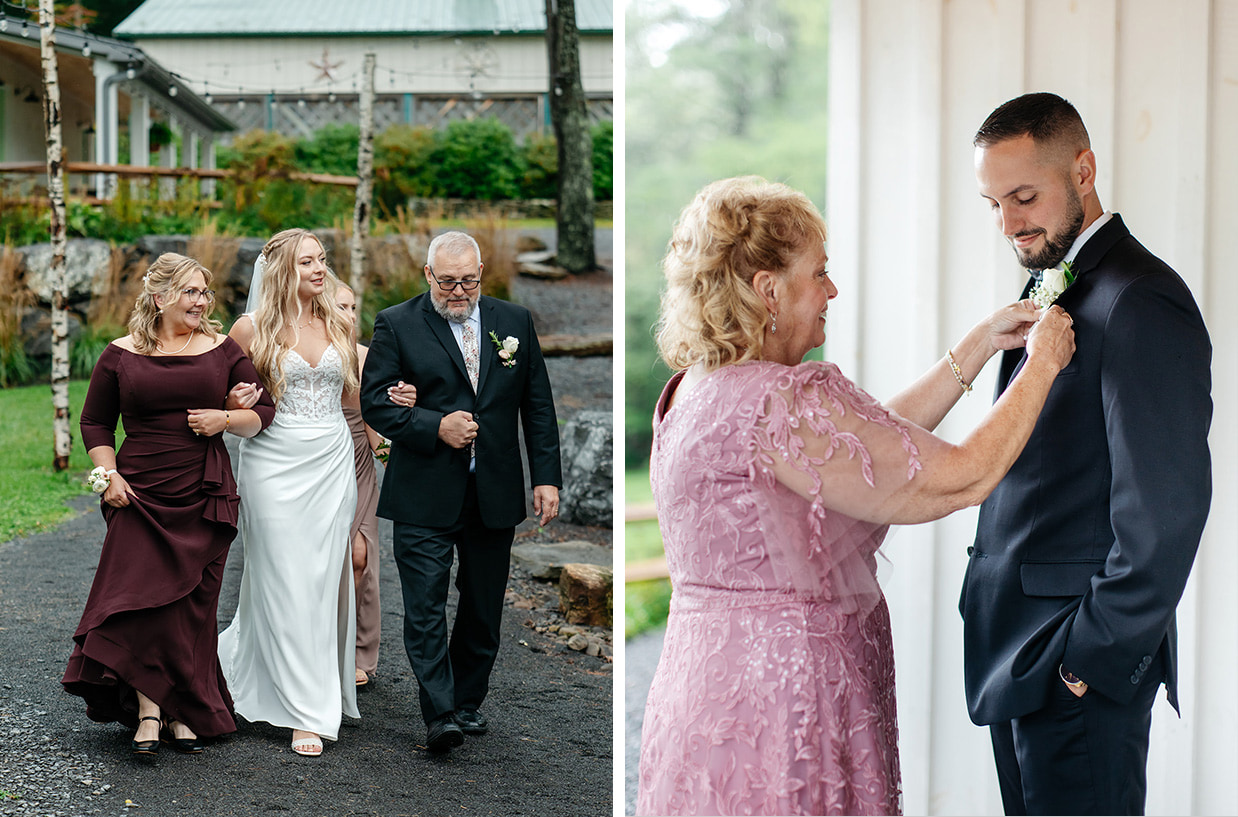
x,y
1083,550
426,478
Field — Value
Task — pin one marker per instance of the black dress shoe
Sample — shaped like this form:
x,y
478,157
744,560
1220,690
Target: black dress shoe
x,y
472,721
147,747
443,734
186,746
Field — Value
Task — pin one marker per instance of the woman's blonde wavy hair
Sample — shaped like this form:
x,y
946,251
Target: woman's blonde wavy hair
x,y
734,228
167,277
280,309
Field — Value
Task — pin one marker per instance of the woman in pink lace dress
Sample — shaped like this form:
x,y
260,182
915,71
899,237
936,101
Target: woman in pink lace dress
x,y
775,482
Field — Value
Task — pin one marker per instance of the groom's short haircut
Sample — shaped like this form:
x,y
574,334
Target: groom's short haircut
x,y
1051,121
452,243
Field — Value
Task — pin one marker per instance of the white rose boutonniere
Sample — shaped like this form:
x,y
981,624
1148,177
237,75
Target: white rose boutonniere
x,y
507,348
1053,282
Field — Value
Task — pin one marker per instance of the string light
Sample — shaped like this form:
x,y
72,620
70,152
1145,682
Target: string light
x,y
86,50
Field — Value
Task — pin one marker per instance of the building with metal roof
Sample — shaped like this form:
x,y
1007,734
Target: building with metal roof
x,y
106,86
266,67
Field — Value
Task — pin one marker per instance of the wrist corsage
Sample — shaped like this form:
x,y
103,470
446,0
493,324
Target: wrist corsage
x,y
507,348
99,478
383,452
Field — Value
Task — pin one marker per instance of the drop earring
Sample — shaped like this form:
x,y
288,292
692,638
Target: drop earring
x,y
773,324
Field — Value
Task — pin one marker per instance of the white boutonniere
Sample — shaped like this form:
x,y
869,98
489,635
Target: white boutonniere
x,y
1053,282
507,348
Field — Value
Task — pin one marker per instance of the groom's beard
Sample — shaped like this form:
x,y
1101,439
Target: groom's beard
x,y
1058,244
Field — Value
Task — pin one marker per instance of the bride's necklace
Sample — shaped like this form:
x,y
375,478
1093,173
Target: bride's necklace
x,y
159,345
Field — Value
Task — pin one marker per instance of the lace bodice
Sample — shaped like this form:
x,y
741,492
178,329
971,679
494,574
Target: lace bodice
x,y
312,393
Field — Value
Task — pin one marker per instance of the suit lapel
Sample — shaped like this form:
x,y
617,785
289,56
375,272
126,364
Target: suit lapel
x,y
440,329
1088,259
488,354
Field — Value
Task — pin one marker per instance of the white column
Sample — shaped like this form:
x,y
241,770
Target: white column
x,y
168,158
208,162
139,137
107,129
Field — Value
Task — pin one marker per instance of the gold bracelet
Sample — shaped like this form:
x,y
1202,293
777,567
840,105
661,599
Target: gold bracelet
x,y
958,373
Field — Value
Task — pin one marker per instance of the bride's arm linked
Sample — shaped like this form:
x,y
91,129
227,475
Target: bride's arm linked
x,y
861,468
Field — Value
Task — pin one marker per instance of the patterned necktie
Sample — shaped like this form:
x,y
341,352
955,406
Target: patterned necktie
x,y
471,353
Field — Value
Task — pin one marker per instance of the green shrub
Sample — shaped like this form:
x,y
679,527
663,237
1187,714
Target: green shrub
x,y
260,199
477,160
332,149
541,167
403,166
85,349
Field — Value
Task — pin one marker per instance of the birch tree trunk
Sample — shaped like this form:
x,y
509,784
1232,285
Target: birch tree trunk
x,y
62,440
365,181
574,218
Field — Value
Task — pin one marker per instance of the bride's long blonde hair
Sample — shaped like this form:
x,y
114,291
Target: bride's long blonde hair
x,y
280,309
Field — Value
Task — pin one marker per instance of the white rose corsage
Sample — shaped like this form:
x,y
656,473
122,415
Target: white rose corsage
x,y
99,478
1053,282
507,348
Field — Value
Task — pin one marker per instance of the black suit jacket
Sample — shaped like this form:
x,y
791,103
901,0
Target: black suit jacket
x,y
426,478
1083,550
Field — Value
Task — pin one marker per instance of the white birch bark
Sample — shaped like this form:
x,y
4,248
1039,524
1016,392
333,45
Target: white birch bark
x,y
62,439
365,181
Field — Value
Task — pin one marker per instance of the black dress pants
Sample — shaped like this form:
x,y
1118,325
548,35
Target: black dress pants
x,y
453,675
1084,755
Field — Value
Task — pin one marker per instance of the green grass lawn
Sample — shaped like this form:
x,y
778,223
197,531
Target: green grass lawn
x,y
646,604
32,496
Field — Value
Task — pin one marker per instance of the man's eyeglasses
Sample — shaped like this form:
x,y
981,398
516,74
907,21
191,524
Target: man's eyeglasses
x,y
468,285
195,294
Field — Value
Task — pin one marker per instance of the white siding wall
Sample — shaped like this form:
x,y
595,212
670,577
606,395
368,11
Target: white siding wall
x,y
423,65
918,261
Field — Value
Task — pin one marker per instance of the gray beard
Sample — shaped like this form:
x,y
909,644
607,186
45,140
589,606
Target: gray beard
x,y
449,316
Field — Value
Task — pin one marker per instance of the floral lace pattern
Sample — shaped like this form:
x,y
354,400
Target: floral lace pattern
x,y
312,393
775,691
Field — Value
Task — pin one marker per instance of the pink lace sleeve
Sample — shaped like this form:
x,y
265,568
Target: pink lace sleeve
x,y
827,457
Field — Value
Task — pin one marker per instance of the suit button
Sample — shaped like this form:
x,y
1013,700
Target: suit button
x,y
1147,659
1135,679
1143,665
970,550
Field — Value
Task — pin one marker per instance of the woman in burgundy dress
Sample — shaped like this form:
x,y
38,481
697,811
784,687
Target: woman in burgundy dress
x,y
145,651
775,481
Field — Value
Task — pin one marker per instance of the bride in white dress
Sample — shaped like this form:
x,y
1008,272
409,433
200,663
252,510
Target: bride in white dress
x,y
288,654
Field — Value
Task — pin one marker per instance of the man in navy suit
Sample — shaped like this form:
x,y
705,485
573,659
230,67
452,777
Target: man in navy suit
x,y
454,481
1082,552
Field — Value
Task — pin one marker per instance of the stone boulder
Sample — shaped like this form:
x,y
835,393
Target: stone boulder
x,y
586,594
87,263
588,469
545,560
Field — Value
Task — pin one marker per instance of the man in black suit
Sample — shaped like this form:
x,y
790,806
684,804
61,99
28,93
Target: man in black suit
x,y
1082,552
454,479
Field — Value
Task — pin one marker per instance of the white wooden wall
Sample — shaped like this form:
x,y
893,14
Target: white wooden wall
x,y
424,65
918,260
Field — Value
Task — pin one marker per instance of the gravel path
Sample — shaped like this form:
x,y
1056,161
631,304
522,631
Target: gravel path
x,y
549,750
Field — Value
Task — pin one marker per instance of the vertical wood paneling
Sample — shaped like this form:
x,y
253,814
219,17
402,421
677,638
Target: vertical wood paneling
x,y
1213,782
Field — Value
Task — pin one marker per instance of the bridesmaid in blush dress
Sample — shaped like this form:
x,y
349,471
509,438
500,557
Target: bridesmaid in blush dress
x,y
144,652
364,531
775,482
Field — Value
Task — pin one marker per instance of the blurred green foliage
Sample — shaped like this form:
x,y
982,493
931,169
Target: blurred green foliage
x,y
743,92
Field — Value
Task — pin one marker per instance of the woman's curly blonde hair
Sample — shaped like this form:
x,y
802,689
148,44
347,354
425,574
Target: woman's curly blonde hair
x,y
279,311
734,228
167,277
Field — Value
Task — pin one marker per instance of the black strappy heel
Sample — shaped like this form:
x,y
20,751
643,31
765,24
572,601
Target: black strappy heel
x,y
147,747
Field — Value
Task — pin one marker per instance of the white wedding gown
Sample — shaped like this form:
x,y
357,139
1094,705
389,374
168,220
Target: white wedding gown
x,y
288,655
